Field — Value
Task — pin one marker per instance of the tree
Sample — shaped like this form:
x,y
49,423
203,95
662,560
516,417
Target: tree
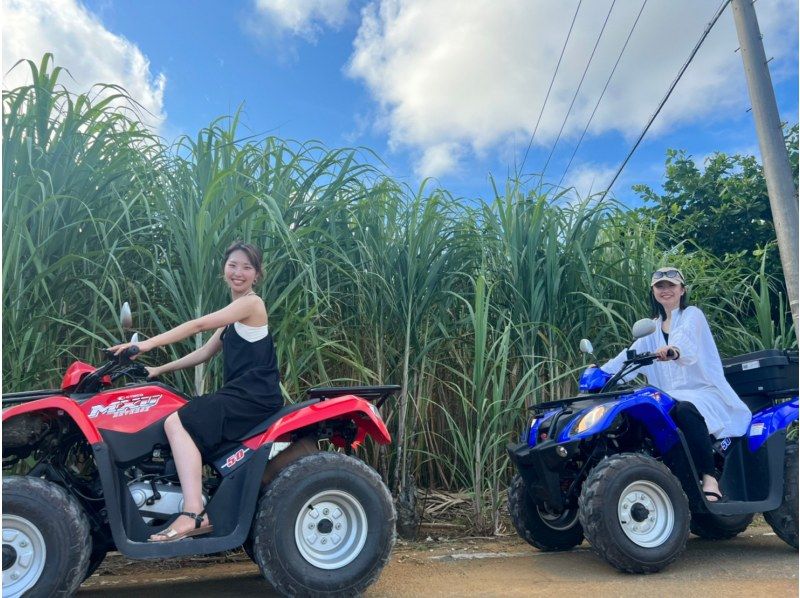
x,y
723,208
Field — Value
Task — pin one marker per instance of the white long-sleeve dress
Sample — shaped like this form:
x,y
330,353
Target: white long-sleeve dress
x,y
696,377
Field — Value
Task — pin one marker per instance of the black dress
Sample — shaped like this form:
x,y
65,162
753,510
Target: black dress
x,y
251,393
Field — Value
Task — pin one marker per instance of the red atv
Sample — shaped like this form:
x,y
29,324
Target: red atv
x,y
87,469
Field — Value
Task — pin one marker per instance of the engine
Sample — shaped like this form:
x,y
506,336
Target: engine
x,y
157,501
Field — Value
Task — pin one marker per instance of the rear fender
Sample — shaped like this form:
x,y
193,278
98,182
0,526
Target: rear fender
x,y
62,406
362,413
765,423
648,406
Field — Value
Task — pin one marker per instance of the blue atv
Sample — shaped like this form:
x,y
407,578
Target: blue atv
x,y
610,465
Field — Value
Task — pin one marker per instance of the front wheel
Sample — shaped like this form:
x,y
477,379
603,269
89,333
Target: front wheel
x,y
325,527
542,530
634,513
783,520
46,541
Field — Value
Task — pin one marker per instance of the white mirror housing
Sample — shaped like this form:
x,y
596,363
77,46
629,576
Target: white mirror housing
x,y
644,327
586,346
125,317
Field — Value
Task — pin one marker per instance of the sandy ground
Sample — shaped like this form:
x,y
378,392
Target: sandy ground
x,y
756,563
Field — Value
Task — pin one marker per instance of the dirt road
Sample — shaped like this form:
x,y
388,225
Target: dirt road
x,y
756,563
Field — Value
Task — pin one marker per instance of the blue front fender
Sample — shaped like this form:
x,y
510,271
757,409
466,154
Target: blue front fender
x,y
647,405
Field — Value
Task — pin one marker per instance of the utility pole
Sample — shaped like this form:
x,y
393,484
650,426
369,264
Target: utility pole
x,y
777,172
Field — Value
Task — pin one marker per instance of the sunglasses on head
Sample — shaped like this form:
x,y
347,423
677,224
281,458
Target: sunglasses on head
x,y
659,274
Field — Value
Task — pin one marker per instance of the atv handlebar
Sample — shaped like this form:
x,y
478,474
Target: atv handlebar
x,y
116,367
633,362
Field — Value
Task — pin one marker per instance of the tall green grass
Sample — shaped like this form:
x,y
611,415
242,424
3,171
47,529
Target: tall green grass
x,y
474,308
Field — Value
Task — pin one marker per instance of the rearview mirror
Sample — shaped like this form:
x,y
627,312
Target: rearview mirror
x,y
644,327
586,346
125,317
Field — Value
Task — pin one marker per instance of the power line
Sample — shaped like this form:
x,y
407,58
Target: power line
x,y
588,64
552,80
707,30
602,93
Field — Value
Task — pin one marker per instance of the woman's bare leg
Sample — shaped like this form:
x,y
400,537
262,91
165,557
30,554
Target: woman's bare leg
x,y
189,464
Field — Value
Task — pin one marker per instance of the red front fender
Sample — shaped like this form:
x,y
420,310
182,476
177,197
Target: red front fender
x,y
58,403
351,407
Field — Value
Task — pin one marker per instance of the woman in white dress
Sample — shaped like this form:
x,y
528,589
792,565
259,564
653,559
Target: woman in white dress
x,y
689,369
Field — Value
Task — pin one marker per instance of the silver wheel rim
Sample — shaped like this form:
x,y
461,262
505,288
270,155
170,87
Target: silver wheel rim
x,y
331,529
646,514
29,555
559,522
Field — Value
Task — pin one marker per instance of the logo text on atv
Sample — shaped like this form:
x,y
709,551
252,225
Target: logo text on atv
x,y
235,457
127,406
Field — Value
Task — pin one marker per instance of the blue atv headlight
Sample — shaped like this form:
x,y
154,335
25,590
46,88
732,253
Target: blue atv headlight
x,y
586,422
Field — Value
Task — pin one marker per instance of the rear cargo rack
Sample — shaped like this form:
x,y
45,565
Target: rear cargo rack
x,y
369,393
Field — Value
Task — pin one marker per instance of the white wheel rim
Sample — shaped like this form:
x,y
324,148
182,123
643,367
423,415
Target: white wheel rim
x,y
331,529
646,514
23,542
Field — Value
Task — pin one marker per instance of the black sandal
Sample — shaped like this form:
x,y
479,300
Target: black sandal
x,y
711,493
171,535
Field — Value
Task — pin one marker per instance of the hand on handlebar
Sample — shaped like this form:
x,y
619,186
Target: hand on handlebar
x,y
667,353
152,372
130,350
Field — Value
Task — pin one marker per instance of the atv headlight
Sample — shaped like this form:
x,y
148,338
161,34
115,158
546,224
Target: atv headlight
x,y
590,419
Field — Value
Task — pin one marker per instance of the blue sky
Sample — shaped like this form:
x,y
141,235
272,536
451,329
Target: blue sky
x,y
436,88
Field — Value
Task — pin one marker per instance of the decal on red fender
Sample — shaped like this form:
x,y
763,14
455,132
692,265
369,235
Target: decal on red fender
x,y
126,406
235,457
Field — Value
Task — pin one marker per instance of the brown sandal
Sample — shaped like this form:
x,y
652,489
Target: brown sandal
x,y
171,535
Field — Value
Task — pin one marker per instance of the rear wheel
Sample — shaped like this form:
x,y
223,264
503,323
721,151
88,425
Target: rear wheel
x,y
545,531
783,520
46,542
719,527
634,513
325,527
96,558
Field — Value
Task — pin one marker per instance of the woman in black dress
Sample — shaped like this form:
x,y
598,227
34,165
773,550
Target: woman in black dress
x,y
251,390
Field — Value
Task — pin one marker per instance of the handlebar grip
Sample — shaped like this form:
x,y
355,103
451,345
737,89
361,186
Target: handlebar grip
x,y
131,351
672,354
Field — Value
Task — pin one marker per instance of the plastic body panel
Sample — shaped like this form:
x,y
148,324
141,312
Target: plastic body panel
x,y
346,407
765,423
593,379
130,409
67,405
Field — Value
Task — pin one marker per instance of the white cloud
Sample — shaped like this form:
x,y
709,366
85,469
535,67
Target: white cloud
x,y
588,179
305,18
458,77
84,47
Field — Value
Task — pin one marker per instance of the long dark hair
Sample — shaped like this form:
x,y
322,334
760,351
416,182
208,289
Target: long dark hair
x,y
656,309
